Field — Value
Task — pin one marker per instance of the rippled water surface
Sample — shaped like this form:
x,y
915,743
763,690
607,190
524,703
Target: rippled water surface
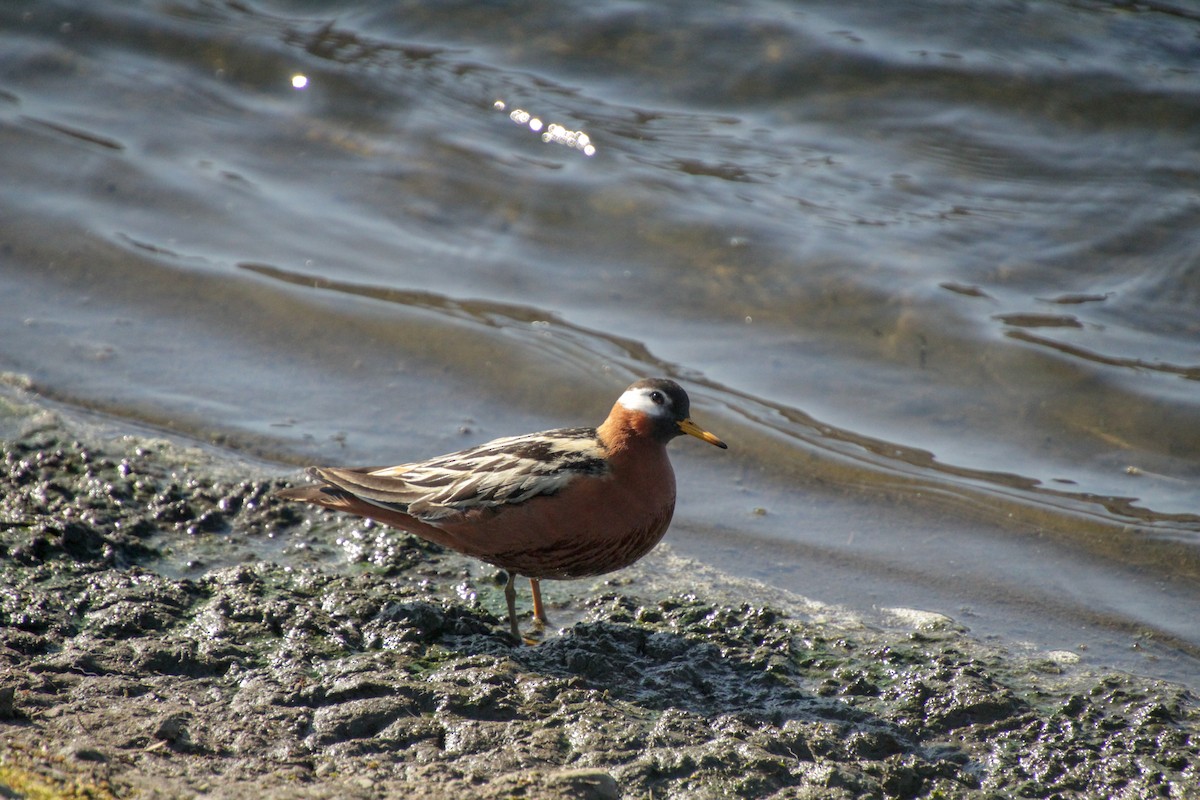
x,y
933,270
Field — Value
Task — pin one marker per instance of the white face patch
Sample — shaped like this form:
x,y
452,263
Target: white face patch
x,y
640,400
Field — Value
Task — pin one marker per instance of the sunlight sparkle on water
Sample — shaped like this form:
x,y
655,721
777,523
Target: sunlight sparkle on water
x,y
553,133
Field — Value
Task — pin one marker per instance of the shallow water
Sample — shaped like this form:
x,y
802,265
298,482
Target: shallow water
x,y
932,271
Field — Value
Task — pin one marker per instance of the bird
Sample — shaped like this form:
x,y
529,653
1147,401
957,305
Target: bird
x,y
560,504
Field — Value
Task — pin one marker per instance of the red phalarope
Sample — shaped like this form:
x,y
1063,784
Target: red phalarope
x,y
566,503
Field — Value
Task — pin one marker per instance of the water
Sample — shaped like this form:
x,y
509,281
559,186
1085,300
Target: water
x,y
931,269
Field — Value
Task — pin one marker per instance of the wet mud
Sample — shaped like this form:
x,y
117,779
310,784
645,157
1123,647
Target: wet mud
x,y
168,629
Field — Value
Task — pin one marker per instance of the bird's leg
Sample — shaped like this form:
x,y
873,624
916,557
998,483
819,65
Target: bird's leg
x,y
510,596
539,611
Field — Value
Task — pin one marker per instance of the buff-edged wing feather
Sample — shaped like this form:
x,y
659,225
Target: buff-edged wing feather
x,y
506,471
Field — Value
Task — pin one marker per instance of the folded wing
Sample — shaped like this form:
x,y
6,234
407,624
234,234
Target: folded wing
x,y
502,472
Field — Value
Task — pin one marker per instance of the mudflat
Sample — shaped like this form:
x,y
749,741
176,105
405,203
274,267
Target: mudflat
x,y
168,629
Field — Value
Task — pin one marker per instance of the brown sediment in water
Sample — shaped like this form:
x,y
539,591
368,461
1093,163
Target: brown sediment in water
x,y
290,678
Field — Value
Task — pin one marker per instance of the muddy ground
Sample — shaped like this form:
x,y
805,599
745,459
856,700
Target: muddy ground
x,y
167,629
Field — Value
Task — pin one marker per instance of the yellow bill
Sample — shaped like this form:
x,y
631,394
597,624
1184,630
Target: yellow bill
x,y
692,429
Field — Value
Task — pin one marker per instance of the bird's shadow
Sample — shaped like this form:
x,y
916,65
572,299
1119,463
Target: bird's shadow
x,y
710,676
681,654
660,669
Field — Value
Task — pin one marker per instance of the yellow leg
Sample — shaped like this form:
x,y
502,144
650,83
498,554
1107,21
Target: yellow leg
x,y
539,611
510,596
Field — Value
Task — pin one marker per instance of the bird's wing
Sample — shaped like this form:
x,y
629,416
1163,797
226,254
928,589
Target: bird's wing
x,y
502,472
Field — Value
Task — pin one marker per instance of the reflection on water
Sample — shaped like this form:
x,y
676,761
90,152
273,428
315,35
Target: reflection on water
x,y
936,283
552,133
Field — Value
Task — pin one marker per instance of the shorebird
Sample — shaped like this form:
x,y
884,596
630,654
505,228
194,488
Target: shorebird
x,y
561,504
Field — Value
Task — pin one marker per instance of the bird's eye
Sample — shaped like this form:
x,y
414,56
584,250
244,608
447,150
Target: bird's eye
x,y
657,398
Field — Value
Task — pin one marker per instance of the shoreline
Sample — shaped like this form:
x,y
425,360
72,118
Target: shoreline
x,y
169,630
